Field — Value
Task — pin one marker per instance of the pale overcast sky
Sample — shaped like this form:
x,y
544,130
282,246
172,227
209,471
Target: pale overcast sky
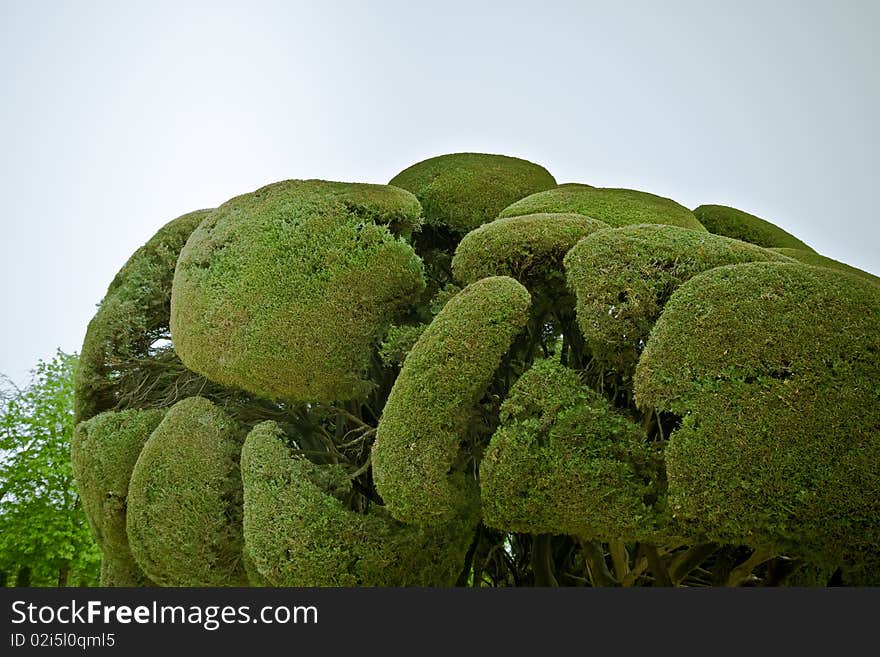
x,y
119,116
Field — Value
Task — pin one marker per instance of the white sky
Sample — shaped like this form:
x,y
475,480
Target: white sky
x,y
119,116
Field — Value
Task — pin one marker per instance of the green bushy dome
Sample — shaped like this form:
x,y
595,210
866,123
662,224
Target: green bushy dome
x,y
528,248
283,292
564,461
461,191
443,377
103,452
133,315
813,258
299,533
722,220
185,499
773,368
615,207
622,278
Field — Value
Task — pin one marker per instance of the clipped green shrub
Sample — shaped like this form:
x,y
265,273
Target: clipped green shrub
x,y
185,499
132,316
813,258
283,292
461,191
528,248
723,220
773,368
444,376
623,277
103,452
399,342
299,532
564,461
615,207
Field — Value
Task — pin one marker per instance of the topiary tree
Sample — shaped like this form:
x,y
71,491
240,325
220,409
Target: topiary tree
x,y
778,446
615,207
104,451
473,376
723,220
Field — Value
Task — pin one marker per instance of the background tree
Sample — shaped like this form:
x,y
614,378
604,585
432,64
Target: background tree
x,y
44,537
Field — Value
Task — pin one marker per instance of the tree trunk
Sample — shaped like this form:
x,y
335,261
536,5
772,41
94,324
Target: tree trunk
x,y
63,572
24,576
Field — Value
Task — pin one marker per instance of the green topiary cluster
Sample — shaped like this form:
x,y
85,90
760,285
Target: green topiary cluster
x,y
299,531
564,461
104,451
283,291
132,316
623,277
445,375
185,499
473,376
813,258
528,248
779,443
462,191
722,220
615,207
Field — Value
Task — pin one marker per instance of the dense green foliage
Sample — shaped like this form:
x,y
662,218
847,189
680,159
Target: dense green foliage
x,y
779,443
299,531
615,207
44,534
529,249
722,220
283,291
817,260
622,278
462,191
426,415
185,499
473,376
104,451
564,461
118,346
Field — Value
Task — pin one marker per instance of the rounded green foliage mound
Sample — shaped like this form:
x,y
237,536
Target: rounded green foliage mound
x,y
722,220
185,499
461,191
615,207
444,376
813,258
622,278
103,452
283,292
774,368
564,461
299,532
133,315
529,249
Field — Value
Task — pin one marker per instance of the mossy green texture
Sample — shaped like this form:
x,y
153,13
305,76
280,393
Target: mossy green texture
x,y
283,292
817,260
723,220
133,314
529,249
299,532
399,342
185,499
461,191
622,278
103,452
615,207
774,370
564,461
443,377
